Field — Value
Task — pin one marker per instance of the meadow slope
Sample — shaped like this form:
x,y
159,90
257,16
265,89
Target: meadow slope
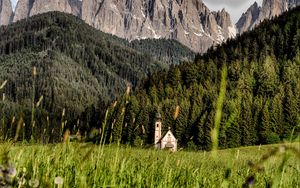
x,y
85,165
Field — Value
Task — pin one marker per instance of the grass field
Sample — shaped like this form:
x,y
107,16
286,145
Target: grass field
x,y
87,165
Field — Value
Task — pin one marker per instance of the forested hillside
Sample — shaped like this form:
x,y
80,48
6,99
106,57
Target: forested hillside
x,y
76,66
164,50
262,102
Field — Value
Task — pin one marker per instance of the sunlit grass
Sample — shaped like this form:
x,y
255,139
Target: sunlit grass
x,y
87,165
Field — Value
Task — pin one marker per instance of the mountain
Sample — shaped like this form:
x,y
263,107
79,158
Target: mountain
x,y
164,50
269,9
259,71
76,7
77,65
6,12
248,18
188,21
294,3
26,8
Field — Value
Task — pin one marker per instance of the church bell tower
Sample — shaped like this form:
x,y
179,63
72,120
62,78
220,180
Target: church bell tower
x,y
157,135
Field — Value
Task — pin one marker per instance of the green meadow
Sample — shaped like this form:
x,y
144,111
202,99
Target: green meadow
x,y
88,165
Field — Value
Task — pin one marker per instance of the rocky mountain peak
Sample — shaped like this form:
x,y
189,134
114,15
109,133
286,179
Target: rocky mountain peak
x,y
41,6
248,18
223,18
27,8
255,4
269,9
188,21
76,7
294,3
6,12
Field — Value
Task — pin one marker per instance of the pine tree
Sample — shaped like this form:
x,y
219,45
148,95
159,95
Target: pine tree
x,y
264,128
117,123
174,77
182,128
291,112
247,124
232,128
276,112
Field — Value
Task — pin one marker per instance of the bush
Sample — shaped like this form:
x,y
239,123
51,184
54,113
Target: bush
x,y
273,138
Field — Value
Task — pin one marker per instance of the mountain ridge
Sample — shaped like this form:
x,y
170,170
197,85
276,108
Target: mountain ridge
x,y
6,12
77,65
189,22
269,9
259,74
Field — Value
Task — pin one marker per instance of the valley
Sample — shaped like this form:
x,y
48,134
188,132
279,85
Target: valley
x,y
145,93
191,23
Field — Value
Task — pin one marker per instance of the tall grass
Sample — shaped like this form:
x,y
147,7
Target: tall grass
x,y
34,74
2,125
219,108
87,165
15,128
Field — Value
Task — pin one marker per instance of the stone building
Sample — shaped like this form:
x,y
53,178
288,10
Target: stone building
x,y
166,140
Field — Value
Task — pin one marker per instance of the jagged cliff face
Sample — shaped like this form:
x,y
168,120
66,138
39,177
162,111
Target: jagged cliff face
x,y
42,6
188,21
269,9
22,9
248,19
27,8
6,12
76,7
294,3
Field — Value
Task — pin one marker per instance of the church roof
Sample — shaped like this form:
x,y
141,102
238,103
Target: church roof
x,y
158,116
169,131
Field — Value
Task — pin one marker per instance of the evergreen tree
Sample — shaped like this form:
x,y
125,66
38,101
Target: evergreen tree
x,y
248,136
264,126
291,112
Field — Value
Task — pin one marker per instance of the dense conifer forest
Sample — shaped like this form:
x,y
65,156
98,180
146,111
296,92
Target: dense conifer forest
x,y
262,102
164,50
77,67
79,70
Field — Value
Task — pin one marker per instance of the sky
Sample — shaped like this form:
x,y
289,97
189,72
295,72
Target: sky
x,y
14,2
234,7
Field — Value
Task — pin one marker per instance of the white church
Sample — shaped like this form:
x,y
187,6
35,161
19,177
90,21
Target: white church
x,y
165,141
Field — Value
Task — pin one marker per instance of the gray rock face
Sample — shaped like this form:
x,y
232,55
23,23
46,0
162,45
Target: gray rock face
x,y
188,21
6,12
269,9
248,18
223,18
22,10
294,3
76,7
26,8
42,6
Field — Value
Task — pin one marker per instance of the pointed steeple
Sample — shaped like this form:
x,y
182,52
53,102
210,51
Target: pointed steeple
x,y
158,127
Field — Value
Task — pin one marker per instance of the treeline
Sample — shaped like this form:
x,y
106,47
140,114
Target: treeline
x,y
262,103
77,68
164,50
